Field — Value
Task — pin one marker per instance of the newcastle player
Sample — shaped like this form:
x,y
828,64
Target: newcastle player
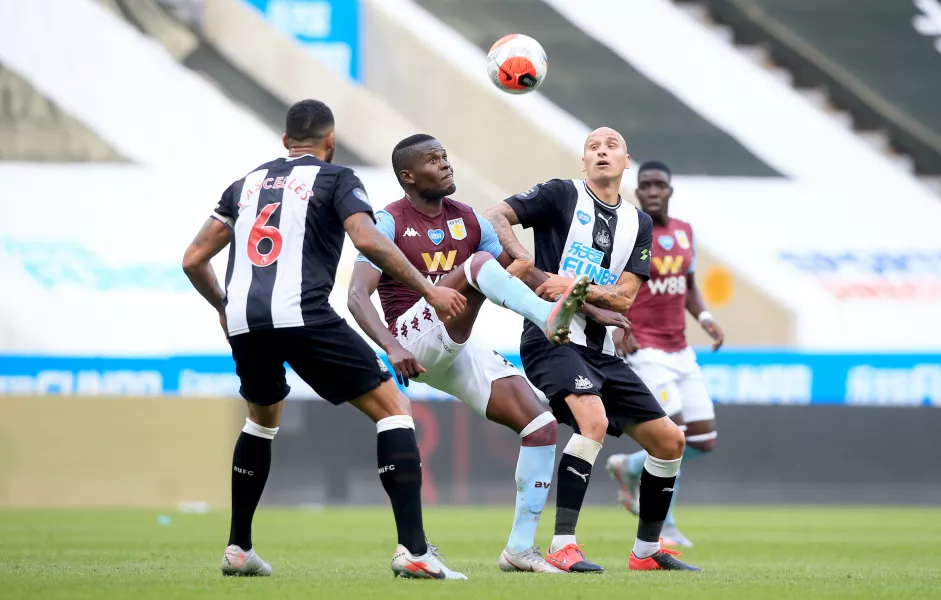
x,y
584,227
284,223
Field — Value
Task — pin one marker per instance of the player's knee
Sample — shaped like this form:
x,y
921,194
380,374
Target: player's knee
x,y
399,404
669,444
590,415
383,402
541,431
472,267
265,416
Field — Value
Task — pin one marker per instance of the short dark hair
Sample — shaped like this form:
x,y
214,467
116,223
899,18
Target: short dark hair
x,y
403,154
655,165
308,120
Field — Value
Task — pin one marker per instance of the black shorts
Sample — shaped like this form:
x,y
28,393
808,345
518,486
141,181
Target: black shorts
x,y
331,358
559,371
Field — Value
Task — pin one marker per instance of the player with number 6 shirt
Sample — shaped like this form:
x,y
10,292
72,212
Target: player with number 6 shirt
x,y
284,224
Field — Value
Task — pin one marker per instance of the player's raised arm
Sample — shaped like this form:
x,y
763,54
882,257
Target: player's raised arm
x,y
384,254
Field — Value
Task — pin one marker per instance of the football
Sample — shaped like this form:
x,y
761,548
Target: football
x,y
517,64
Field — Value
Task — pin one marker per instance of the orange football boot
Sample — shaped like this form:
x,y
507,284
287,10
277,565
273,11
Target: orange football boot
x,y
571,558
663,560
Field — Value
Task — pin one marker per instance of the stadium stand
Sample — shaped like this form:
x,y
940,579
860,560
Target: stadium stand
x,y
546,140
195,53
880,61
610,92
35,129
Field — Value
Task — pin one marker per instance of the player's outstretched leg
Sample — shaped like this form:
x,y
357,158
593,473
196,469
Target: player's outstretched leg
x,y
514,404
250,465
485,274
578,457
665,444
400,472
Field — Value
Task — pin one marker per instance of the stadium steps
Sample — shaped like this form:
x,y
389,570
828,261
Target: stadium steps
x,y
35,129
815,91
194,52
591,82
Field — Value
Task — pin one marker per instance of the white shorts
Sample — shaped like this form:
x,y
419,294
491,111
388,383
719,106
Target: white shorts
x,y
676,380
465,371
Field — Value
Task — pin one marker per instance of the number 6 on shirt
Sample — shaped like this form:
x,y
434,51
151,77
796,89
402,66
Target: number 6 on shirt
x,y
260,232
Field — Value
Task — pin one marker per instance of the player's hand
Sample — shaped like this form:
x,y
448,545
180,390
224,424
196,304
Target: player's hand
x,y
715,332
520,268
225,325
404,364
552,289
608,318
447,302
624,343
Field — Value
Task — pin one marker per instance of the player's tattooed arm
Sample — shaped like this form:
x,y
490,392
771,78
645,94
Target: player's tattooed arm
x,y
384,253
618,297
599,315
211,239
503,218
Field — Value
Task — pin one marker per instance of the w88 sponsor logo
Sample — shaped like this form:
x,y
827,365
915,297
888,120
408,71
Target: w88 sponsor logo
x,y
673,285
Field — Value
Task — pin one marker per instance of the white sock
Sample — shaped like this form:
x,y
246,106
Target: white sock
x,y
560,541
644,549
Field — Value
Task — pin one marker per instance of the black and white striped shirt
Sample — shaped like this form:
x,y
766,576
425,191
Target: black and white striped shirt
x,y
287,219
577,233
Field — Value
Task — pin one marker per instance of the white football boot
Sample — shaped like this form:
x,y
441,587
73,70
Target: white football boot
x,y
426,566
238,562
629,494
529,560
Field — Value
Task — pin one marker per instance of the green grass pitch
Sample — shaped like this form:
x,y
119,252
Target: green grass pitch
x,y
778,553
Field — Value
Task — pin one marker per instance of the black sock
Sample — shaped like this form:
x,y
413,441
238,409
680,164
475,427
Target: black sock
x,y
400,473
656,493
574,475
250,466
